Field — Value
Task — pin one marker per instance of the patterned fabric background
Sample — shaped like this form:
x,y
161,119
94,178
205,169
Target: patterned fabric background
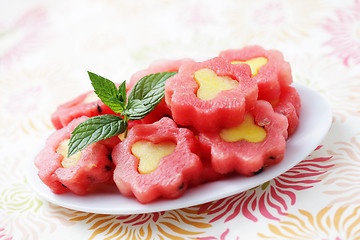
x,y
46,47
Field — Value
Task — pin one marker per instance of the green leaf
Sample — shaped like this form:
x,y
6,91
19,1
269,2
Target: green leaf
x,y
95,129
122,92
108,92
146,94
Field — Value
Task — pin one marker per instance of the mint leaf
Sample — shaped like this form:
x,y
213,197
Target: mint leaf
x,y
143,98
95,129
146,94
108,92
122,92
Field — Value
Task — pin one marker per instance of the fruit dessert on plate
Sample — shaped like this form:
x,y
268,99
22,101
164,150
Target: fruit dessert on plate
x,y
173,126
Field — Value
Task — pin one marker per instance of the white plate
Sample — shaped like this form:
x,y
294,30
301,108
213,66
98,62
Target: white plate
x,y
315,121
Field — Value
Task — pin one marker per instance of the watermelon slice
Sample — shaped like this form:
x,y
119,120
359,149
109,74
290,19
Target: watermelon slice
x,y
163,65
161,110
208,174
289,105
271,75
245,156
86,104
80,173
226,107
171,175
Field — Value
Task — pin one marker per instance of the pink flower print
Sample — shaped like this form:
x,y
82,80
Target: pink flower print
x,y
271,198
273,22
344,177
272,13
3,235
20,35
344,33
223,236
24,101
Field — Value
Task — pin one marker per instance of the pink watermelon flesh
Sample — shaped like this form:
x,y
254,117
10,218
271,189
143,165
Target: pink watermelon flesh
x,y
158,66
75,108
275,74
247,158
289,105
225,110
161,110
93,167
171,178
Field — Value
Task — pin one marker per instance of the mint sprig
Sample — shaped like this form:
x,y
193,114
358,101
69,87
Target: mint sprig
x,y
95,129
143,98
108,93
146,94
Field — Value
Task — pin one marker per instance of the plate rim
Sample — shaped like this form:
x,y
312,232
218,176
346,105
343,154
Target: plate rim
x,y
72,201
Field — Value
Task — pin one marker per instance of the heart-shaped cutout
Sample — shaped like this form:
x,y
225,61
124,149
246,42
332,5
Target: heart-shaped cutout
x,y
247,130
210,84
254,63
150,154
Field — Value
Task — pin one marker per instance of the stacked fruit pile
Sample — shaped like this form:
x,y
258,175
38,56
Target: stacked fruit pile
x,y
175,125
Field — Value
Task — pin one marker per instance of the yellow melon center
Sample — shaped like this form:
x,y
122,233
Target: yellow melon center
x,y
254,63
63,149
210,84
150,154
247,130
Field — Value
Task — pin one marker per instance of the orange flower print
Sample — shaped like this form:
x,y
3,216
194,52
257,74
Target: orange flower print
x,y
177,224
329,223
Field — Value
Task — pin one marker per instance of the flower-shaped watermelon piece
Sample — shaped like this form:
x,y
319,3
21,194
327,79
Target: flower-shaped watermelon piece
x,y
289,105
170,177
269,69
82,171
222,107
248,153
163,65
208,174
158,66
87,104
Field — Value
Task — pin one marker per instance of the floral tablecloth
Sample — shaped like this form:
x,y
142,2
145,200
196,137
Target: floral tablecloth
x,y
46,48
